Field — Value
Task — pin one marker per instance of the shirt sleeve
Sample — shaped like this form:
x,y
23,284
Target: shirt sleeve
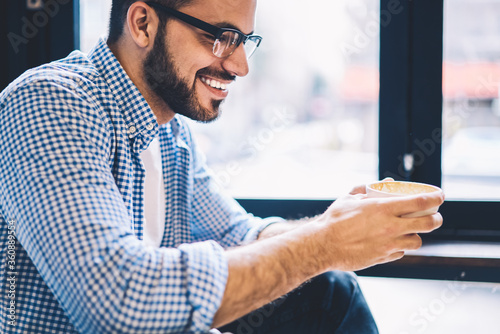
x,y
56,183
217,216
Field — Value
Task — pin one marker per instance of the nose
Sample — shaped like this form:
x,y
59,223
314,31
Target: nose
x,y
237,63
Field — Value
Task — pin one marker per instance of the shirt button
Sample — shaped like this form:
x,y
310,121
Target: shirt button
x,y
150,126
132,130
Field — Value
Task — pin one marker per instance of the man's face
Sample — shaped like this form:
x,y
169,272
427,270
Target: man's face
x,y
181,68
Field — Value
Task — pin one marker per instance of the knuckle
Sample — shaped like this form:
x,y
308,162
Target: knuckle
x,y
399,255
434,221
421,203
430,223
438,219
427,224
391,230
388,249
396,256
385,209
417,242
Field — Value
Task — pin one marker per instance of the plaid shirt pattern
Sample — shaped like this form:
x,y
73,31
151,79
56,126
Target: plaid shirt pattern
x,y
71,209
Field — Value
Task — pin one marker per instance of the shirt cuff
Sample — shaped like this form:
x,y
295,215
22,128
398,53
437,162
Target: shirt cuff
x,y
207,271
253,232
214,331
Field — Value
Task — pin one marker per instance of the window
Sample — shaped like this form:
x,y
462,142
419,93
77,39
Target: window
x,y
471,109
303,123
343,93
94,18
411,112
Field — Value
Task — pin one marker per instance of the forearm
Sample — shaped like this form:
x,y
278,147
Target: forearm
x,y
352,234
282,227
265,270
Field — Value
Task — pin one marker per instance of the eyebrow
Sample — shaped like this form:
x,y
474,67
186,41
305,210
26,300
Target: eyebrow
x,y
229,25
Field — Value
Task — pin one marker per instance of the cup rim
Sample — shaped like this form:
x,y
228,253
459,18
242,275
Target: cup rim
x,y
370,188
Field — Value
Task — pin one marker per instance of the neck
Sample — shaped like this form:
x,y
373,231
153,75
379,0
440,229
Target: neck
x,y
132,64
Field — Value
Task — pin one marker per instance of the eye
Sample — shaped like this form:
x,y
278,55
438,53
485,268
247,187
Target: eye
x,y
208,37
229,38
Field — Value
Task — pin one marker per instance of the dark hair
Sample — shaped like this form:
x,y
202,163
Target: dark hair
x,y
119,9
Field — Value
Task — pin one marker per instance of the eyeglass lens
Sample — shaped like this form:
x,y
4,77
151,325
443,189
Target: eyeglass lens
x,y
227,43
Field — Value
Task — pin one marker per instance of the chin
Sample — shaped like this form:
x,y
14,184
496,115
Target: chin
x,y
209,117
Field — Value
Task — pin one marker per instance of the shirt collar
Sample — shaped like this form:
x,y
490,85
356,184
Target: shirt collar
x,y
138,116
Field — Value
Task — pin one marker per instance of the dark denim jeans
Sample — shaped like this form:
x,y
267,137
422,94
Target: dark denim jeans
x,y
329,303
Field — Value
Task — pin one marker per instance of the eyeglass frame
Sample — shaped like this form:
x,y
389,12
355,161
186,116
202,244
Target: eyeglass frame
x,y
207,27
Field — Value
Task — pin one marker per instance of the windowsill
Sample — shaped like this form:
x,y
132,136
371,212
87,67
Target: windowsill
x,y
450,258
445,260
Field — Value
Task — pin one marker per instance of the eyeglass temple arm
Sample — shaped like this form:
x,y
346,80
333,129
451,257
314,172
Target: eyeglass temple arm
x,y
187,18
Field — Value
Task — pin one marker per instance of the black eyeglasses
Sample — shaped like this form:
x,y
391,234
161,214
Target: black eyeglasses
x,y
226,39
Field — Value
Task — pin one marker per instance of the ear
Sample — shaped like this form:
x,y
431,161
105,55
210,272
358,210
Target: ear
x,y
142,23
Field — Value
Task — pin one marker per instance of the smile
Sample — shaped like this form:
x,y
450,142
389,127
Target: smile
x,y
214,83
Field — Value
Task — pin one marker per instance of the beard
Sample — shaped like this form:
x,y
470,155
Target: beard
x,y
162,78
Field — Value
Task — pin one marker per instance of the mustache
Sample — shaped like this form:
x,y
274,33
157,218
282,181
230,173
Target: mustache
x,y
223,75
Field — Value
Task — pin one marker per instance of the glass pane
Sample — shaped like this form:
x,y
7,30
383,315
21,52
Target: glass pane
x,y
411,306
94,17
471,110
304,122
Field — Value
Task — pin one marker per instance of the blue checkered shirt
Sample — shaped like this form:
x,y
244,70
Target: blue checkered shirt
x,y
72,258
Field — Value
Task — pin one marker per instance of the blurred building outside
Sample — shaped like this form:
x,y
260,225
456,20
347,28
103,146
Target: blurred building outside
x,y
304,122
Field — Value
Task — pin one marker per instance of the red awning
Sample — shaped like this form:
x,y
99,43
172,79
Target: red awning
x,y
471,80
479,80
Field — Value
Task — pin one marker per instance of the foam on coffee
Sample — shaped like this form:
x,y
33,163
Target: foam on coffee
x,y
403,188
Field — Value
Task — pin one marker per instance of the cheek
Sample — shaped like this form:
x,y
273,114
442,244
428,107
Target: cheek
x,y
202,65
189,55
188,67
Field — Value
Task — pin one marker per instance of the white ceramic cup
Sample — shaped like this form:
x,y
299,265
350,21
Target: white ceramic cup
x,y
402,188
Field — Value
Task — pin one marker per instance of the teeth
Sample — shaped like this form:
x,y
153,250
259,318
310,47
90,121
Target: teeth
x,y
214,83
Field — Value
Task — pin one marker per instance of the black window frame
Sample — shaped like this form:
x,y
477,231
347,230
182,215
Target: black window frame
x,y
410,122
411,58
34,32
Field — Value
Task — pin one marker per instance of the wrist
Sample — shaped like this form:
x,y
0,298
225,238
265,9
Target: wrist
x,y
307,244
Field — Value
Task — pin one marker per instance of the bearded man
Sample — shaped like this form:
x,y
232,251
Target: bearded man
x,y
109,218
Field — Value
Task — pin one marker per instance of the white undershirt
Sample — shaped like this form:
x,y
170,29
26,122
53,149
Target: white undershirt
x,y
154,195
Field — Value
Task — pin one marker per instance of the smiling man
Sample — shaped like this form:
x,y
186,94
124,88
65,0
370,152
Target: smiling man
x,y
109,218
187,73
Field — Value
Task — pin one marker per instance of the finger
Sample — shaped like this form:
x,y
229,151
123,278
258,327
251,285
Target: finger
x,y
424,224
409,204
350,197
359,196
361,189
393,257
411,242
